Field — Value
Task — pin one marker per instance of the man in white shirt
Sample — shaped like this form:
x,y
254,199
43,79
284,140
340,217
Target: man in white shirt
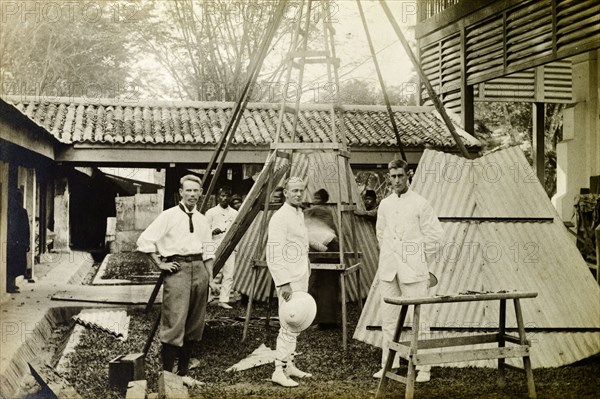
x,y
182,237
287,259
407,232
220,218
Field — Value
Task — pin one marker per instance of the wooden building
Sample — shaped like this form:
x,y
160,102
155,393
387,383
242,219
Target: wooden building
x,y
535,51
58,144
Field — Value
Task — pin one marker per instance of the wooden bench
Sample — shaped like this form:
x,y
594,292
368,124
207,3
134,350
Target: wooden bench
x,y
409,350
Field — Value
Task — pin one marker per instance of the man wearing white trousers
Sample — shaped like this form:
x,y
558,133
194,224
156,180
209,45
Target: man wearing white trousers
x,y
407,231
220,218
287,259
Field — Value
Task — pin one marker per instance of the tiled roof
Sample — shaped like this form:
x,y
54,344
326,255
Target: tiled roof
x,y
83,121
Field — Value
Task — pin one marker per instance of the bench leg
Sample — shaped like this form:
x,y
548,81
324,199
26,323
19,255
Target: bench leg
x,y
411,375
391,353
360,303
502,343
523,341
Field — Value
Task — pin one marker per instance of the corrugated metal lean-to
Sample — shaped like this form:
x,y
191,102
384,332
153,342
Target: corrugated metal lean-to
x,y
490,256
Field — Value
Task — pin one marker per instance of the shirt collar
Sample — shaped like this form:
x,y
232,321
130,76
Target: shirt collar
x,y
186,208
404,194
293,208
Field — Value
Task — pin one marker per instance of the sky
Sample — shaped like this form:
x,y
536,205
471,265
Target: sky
x,y
352,47
352,44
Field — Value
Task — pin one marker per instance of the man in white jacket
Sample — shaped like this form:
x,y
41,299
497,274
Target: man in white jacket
x,y
221,218
407,232
287,259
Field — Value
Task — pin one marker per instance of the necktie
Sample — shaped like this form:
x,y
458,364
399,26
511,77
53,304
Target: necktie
x,y
190,216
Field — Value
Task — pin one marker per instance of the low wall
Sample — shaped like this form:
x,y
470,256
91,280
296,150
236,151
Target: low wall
x,y
134,214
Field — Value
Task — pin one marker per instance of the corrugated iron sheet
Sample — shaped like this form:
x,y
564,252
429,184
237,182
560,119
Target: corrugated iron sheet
x,y
202,123
492,256
113,322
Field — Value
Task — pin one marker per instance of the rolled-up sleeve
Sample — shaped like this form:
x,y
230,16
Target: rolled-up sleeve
x,y
209,247
147,240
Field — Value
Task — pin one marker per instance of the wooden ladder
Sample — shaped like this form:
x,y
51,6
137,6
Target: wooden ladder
x,y
347,258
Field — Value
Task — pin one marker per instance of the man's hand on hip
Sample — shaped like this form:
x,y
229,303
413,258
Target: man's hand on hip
x,y
286,291
171,267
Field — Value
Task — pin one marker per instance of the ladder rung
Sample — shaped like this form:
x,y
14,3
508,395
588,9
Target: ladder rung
x,y
308,54
285,155
289,109
392,376
328,266
338,107
332,255
352,269
344,153
348,208
333,61
308,146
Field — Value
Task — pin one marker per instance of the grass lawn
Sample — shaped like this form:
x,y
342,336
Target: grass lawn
x,y
336,373
125,265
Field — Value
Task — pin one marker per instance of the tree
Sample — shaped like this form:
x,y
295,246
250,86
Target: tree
x,y
60,49
355,91
206,47
505,124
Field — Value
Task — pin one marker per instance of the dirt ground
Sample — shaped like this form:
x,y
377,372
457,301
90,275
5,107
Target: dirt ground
x,y
336,373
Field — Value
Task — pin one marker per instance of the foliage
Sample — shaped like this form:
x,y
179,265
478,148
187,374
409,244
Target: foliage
x,y
588,218
127,264
355,91
65,50
206,47
505,124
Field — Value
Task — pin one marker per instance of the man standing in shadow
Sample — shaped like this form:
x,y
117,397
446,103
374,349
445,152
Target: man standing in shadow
x,y
18,241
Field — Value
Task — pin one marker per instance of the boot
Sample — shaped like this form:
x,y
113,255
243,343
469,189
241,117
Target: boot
x,y
280,377
185,354
292,371
168,353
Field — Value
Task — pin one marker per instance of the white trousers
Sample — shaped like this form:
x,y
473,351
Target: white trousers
x,y
390,313
227,272
227,281
286,340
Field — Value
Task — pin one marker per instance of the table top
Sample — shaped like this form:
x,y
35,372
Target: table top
x,y
462,297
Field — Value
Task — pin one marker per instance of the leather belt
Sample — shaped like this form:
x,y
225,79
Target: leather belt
x,y
183,258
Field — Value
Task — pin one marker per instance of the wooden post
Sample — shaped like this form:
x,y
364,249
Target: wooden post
x,y
250,298
269,298
598,254
467,105
344,316
538,145
414,347
32,211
